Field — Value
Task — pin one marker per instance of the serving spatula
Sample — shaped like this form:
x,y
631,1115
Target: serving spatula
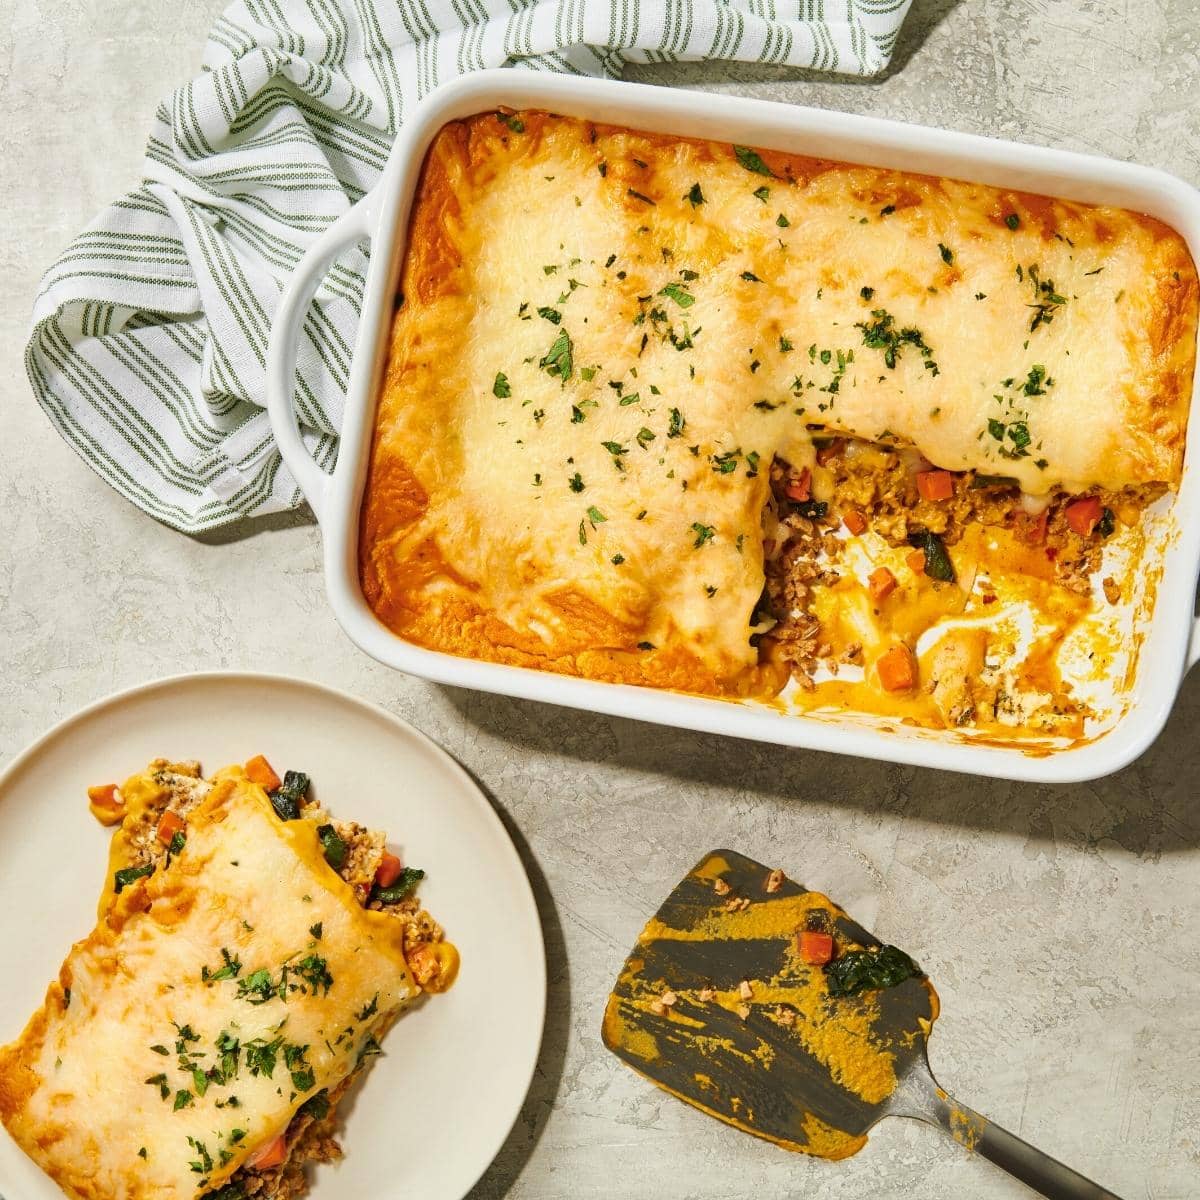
x,y
716,1005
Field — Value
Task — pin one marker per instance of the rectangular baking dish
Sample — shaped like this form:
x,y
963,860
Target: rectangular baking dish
x,y
1170,641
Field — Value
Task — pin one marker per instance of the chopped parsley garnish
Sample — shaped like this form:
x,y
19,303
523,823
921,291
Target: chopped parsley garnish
x,y
676,424
866,293
160,1082
316,930
887,210
882,334
678,293
303,1078
123,878
617,451
639,196
750,277
617,559
763,193
512,121
262,1055
575,483
182,1099
500,387
644,437
785,345
230,969
550,314
946,253
1046,301
368,1011
752,161
178,841
1107,524
1037,377
159,1048
694,196
315,972
557,360
595,516
257,988
782,221
1012,221
704,533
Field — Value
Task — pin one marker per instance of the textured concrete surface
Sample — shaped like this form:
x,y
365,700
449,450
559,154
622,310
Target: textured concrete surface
x,y
1059,924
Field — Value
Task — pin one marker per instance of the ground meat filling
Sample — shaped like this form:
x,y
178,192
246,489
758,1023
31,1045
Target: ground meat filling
x,y
873,486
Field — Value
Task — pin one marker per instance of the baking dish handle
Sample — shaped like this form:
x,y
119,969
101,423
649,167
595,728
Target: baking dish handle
x,y
352,226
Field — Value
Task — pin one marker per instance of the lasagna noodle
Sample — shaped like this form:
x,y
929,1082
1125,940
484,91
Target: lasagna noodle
x,y
602,516
81,1091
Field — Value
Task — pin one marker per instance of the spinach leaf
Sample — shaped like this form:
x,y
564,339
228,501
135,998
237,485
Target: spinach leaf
x,y
1107,524
993,481
866,970
937,561
335,847
123,878
316,1106
752,161
813,509
287,799
401,889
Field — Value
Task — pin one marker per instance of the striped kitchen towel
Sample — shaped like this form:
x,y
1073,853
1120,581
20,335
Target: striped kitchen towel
x,y
149,335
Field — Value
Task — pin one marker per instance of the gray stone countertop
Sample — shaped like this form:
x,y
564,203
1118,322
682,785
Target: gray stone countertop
x,y
1060,924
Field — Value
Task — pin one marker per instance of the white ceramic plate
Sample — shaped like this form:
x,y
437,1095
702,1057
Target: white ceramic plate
x,y
435,1109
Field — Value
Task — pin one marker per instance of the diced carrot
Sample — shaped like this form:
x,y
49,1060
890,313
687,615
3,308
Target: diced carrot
x,y
1035,528
268,1156
827,454
881,583
916,562
259,771
897,669
1082,515
854,521
800,489
814,946
106,805
388,870
935,485
169,824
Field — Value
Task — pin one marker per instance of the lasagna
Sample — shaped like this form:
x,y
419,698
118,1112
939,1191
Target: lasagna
x,y
752,425
250,954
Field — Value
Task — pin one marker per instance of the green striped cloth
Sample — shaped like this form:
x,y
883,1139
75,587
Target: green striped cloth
x,y
149,335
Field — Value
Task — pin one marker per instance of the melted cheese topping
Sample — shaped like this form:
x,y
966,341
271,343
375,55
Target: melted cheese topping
x,y
606,337
82,1089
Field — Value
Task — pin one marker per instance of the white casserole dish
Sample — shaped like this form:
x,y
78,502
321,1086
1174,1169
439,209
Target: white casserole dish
x,y
1170,634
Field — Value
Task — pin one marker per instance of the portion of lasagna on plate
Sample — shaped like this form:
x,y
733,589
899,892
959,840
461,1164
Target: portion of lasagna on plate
x,y
250,953
841,439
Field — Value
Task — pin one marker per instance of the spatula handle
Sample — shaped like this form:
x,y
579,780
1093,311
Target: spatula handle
x,y
1028,1164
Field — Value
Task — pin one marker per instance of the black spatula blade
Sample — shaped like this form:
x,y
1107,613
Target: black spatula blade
x,y
715,1005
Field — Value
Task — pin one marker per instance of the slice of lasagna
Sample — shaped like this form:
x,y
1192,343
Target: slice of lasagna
x,y
249,956
729,421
